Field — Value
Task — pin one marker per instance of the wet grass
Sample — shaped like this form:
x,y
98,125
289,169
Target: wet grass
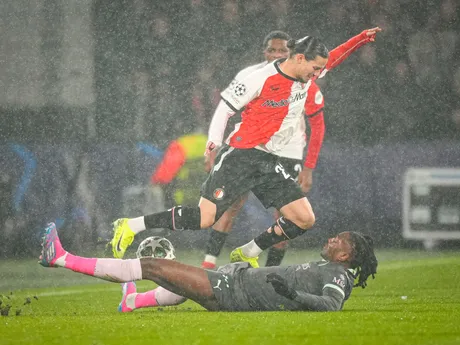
x,y
414,299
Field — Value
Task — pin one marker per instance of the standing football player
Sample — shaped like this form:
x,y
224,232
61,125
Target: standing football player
x,y
275,48
274,98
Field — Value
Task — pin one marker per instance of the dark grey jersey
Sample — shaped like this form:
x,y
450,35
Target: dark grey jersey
x,y
321,286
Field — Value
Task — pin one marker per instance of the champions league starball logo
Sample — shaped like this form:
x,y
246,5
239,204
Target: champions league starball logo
x,y
239,89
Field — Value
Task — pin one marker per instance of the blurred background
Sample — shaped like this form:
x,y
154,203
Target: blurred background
x,y
92,92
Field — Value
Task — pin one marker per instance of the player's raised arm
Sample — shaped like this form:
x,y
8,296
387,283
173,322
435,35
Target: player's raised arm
x,y
340,53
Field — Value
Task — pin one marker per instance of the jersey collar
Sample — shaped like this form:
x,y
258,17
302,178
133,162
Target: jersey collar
x,y
277,66
352,271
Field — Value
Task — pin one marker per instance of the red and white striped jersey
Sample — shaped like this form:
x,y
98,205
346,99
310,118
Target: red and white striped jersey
x,y
273,109
295,146
223,113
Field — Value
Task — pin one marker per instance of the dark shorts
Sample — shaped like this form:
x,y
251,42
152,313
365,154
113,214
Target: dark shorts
x,y
292,167
237,171
223,286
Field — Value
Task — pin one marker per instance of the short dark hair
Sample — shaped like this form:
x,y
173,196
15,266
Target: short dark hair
x,y
280,35
309,46
363,257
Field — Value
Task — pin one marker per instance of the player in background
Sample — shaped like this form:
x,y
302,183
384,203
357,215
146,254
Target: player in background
x,y
315,286
275,48
180,171
273,99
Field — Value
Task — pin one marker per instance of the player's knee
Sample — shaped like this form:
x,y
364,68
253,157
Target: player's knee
x,y
300,213
304,220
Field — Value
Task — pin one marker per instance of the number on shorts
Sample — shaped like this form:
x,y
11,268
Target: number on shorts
x,y
297,169
280,169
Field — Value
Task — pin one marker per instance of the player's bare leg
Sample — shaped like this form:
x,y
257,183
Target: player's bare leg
x,y
297,217
219,233
300,213
185,280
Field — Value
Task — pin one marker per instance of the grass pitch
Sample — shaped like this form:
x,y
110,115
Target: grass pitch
x,y
415,299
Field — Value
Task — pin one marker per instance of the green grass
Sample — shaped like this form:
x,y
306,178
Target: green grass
x,y
74,309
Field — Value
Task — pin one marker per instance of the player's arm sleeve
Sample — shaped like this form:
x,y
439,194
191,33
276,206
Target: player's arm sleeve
x,y
239,94
219,122
330,300
333,293
314,113
340,53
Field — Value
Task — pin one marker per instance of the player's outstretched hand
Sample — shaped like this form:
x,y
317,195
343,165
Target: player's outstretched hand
x,y
280,285
371,33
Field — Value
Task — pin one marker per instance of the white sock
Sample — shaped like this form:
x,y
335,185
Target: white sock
x,y
251,249
165,297
118,270
137,224
210,258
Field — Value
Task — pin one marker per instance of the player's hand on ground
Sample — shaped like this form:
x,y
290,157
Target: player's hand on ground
x,y
280,285
305,179
371,33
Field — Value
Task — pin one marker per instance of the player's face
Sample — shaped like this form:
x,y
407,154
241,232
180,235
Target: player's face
x,y
338,249
276,49
310,68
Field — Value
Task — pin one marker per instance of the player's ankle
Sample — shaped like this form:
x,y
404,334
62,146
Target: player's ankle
x,y
136,224
251,249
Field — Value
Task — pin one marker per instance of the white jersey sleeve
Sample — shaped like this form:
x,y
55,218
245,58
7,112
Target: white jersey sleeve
x,y
223,112
240,93
219,123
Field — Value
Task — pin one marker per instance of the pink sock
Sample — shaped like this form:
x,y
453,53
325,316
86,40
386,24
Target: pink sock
x,y
108,269
146,299
157,297
79,264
